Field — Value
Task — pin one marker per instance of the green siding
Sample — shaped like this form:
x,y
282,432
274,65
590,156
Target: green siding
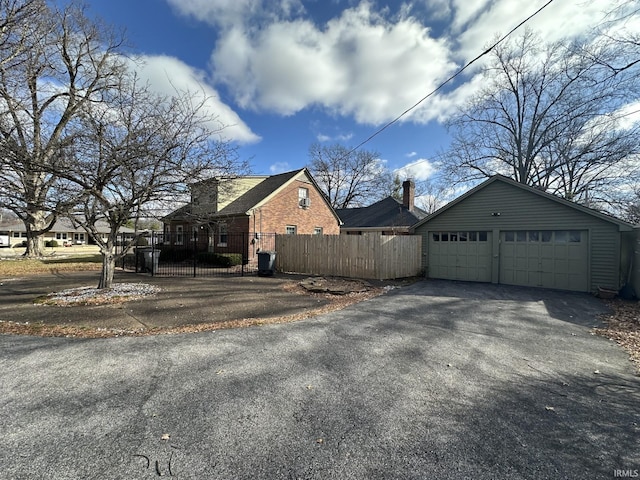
x,y
520,209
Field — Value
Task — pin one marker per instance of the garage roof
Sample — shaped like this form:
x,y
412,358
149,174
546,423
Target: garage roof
x,y
622,225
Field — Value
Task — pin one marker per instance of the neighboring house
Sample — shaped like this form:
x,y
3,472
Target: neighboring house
x,y
386,217
63,232
505,232
224,213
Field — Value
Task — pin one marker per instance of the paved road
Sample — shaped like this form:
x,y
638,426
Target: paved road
x,y
435,380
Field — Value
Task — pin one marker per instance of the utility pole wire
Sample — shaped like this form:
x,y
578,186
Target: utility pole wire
x,y
487,51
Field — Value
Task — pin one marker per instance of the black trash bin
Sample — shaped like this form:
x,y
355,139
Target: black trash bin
x,y
266,263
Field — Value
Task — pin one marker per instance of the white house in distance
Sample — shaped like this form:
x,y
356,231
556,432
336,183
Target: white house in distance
x,y
63,232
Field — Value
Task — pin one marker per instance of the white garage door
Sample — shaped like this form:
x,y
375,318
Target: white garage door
x,y
545,258
460,256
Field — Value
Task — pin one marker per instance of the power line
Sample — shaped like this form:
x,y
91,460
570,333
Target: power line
x,y
412,107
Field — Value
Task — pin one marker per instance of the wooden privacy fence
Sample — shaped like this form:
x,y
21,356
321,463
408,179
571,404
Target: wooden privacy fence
x,y
370,256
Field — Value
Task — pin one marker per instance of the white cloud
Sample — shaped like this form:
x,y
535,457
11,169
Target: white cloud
x,y
411,154
279,167
359,65
166,75
442,107
628,116
437,9
421,169
223,13
477,23
365,63
343,137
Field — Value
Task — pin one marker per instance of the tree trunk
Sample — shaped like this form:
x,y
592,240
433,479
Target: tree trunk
x,y
35,245
35,224
108,269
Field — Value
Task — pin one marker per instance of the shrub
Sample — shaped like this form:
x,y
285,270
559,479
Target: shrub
x,y
142,242
175,254
51,243
220,259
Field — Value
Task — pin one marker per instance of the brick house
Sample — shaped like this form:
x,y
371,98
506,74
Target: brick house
x,y
242,214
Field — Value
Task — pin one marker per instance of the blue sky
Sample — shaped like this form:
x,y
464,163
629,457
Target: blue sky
x,y
283,74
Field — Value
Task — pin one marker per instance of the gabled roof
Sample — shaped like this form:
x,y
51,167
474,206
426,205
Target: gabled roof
x,y
258,196
501,178
388,212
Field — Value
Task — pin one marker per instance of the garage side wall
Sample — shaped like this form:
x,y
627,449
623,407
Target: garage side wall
x,y
501,206
635,273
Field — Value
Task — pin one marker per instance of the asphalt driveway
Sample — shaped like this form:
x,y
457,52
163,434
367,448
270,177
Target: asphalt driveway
x,y
435,380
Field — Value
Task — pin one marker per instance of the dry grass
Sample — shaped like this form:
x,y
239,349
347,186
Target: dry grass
x,y
336,302
623,326
27,266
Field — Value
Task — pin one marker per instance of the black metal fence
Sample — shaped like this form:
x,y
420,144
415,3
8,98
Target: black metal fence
x,y
195,254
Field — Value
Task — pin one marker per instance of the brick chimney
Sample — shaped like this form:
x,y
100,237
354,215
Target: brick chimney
x,y
408,194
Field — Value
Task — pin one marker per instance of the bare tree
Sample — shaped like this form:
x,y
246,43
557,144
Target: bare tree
x,y
134,151
53,62
431,194
550,117
349,178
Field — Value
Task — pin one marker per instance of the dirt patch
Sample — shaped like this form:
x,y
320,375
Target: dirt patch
x,y
335,286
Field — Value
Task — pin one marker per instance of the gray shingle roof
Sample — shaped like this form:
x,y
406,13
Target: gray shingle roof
x,y
388,212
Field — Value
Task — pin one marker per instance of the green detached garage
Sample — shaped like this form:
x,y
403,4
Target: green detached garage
x,y
505,232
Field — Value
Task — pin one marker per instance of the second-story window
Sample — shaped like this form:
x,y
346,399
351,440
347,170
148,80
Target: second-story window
x,y
303,197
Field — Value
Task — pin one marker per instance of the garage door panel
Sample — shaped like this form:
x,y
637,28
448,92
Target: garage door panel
x,y
551,259
460,256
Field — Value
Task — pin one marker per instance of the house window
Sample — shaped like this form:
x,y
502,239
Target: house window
x,y
16,234
179,235
61,236
222,235
317,231
303,197
291,230
78,237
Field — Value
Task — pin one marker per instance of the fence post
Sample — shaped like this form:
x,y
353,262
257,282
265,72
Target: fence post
x,y
245,251
195,252
152,254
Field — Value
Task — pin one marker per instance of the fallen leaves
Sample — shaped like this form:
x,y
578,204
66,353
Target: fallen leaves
x,y
623,326
118,293
335,302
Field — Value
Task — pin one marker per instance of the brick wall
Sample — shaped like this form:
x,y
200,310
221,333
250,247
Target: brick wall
x,y
283,210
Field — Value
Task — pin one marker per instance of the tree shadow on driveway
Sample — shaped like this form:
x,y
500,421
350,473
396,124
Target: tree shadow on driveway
x,y
402,386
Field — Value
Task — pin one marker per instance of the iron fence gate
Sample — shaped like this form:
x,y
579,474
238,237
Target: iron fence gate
x,y
195,254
